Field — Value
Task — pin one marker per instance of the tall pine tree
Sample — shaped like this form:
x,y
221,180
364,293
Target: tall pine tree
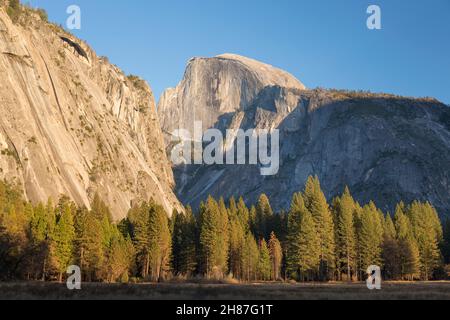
x,y
316,203
64,237
303,242
276,257
344,210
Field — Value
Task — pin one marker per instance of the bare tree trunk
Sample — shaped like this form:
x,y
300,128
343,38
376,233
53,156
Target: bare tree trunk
x,y
348,268
44,269
147,266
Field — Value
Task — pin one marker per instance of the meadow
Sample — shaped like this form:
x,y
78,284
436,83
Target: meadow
x,y
204,291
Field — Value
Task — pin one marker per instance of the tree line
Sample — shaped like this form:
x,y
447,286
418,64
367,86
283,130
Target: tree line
x,y
312,241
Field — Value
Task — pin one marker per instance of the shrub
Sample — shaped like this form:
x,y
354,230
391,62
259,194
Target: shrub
x,y
42,14
13,10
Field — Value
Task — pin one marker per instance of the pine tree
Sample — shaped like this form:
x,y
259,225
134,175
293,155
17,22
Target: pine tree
x,y
402,224
184,243
140,234
119,257
369,238
160,242
389,228
243,215
250,258
81,238
316,203
223,237
63,237
213,240
426,232
344,210
276,257
13,231
232,207
264,265
50,225
38,238
390,250
409,258
237,242
446,242
303,241
263,217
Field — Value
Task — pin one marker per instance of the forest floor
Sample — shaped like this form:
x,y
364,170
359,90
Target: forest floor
x,y
257,291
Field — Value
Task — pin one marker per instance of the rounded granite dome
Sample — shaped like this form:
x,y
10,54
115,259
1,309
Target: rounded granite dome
x,y
268,74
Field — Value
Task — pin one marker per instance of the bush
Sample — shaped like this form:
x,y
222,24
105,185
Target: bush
x,y
125,278
13,10
42,14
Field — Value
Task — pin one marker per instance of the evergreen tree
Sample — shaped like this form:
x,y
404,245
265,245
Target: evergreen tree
x,y
140,234
303,241
40,240
408,251
232,208
250,258
49,260
263,217
243,215
369,238
389,228
118,257
390,250
446,242
402,224
276,257
427,234
344,210
14,223
409,259
213,240
63,237
89,244
237,242
184,243
223,244
316,203
264,265
99,209
160,242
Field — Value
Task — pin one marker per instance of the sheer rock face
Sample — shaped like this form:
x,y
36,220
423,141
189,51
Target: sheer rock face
x,y
385,148
76,125
215,87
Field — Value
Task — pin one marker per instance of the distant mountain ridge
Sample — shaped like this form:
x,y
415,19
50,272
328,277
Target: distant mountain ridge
x,y
385,148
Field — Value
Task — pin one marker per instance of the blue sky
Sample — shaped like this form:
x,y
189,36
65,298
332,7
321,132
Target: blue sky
x,y
324,43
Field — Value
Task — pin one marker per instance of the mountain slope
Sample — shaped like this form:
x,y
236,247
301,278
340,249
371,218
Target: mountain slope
x,y
74,124
385,148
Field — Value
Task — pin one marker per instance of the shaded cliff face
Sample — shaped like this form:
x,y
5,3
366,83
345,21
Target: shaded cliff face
x,y
71,123
385,148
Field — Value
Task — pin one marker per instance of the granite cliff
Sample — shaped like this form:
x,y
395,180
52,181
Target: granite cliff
x,y
385,148
74,124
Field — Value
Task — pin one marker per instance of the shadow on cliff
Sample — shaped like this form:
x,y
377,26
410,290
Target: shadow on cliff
x,y
318,114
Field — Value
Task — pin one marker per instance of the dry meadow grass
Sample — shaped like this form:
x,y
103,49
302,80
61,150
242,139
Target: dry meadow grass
x,y
186,291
